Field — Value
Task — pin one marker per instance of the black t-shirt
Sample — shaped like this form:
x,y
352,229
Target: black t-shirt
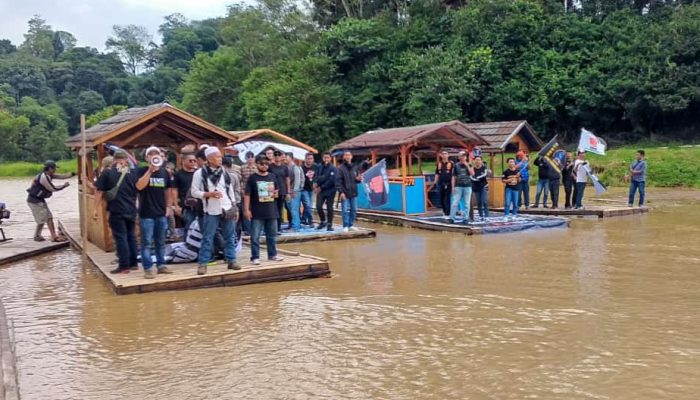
x,y
125,201
443,172
152,197
511,184
481,182
261,190
310,176
462,175
281,173
182,181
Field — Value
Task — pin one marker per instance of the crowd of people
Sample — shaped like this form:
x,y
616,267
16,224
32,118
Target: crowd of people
x,y
222,200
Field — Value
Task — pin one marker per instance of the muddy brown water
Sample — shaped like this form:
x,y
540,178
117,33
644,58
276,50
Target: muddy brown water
x,y
607,309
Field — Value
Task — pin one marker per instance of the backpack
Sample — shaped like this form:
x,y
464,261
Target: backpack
x,y
111,194
37,191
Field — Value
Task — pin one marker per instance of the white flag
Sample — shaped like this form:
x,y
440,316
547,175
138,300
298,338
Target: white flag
x,y
590,142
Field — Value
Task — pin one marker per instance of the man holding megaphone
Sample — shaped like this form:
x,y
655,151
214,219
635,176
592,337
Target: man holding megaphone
x,y
154,199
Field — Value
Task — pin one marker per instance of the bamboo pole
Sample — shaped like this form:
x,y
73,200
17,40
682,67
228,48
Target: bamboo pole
x,y
84,216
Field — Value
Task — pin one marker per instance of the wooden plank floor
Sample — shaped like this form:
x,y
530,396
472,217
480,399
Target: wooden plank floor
x,y
311,234
9,389
20,248
588,211
295,266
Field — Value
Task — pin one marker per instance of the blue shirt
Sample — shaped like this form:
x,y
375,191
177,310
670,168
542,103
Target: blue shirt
x,y
524,171
642,175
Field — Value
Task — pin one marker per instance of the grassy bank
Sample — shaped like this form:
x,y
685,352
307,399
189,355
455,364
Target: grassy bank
x,y
21,168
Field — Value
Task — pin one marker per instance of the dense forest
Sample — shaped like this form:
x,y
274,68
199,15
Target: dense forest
x,y
627,69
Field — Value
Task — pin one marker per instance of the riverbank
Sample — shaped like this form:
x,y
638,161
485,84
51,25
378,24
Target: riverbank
x,y
23,168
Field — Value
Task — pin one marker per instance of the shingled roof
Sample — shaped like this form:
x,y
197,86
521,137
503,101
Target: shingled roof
x,y
449,133
163,117
259,134
500,134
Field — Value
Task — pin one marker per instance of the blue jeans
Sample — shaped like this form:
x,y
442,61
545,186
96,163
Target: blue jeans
x,y
188,215
512,198
153,233
578,194
542,188
460,193
349,211
482,202
123,228
228,229
256,228
306,201
634,186
524,197
294,204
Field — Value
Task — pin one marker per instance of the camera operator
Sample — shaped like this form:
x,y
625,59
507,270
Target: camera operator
x,y
154,198
41,189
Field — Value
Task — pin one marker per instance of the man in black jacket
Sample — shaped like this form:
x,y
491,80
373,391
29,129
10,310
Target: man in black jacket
x,y
346,184
324,184
568,179
554,181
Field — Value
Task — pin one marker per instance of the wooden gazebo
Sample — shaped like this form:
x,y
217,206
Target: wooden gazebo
x,y
507,137
161,125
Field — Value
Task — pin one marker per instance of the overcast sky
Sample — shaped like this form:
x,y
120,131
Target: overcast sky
x,y
91,21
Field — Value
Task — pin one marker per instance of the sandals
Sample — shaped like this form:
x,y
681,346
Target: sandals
x,y
39,239
59,239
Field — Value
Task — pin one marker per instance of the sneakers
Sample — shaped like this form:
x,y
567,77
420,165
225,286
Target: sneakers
x,y
201,270
164,270
329,228
120,271
149,273
536,206
354,229
134,268
346,229
321,226
276,258
233,265
255,261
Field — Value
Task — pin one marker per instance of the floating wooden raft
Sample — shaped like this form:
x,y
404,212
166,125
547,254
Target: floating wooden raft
x,y
295,266
19,249
588,211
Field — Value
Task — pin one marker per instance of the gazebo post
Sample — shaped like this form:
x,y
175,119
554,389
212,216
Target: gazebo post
x,y
404,172
373,154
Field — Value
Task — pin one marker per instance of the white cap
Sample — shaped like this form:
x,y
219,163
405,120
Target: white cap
x,y
203,147
211,150
152,149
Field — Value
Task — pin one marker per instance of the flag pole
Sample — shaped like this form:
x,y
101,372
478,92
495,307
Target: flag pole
x,y
84,176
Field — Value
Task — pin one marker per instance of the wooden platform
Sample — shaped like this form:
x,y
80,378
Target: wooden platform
x,y
295,266
9,389
494,224
19,249
312,234
588,211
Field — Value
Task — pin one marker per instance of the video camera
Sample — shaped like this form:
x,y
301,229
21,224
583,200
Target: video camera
x,y
4,214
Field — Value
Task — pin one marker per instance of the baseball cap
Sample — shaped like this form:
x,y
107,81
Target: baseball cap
x,y
50,164
462,153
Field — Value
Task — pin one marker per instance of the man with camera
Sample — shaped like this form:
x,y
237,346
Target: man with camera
x,y
41,189
186,208
212,184
154,185
116,185
461,187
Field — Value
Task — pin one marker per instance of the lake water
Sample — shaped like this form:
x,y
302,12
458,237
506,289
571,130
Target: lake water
x,y
607,309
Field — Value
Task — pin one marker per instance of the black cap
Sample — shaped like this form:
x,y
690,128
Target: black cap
x,y
249,154
277,153
50,164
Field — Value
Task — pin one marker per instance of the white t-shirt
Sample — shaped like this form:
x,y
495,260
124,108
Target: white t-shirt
x,y
581,175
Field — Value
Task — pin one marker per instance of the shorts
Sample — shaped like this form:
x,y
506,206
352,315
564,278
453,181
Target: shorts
x,y
40,211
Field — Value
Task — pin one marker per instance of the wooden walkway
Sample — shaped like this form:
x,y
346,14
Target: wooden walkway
x,y
588,211
436,222
295,266
19,249
311,234
9,389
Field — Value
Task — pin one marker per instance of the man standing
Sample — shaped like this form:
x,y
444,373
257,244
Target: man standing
x,y
443,180
41,189
182,182
309,168
554,177
581,178
325,188
522,164
511,177
638,172
568,179
461,187
119,182
480,186
542,182
154,199
213,185
281,173
248,169
260,208
296,181
346,185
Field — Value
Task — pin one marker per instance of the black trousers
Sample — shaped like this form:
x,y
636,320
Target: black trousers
x,y
568,192
281,203
445,198
554,192
327,199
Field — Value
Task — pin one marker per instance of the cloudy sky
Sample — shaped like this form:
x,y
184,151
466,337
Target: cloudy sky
x,y
91,21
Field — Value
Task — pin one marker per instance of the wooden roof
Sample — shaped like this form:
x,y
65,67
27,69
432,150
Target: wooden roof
x,y
157,124
243,136
499,134
451,133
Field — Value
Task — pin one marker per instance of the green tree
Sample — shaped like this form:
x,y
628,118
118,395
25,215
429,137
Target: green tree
x,y
110,111
131,43
38,41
